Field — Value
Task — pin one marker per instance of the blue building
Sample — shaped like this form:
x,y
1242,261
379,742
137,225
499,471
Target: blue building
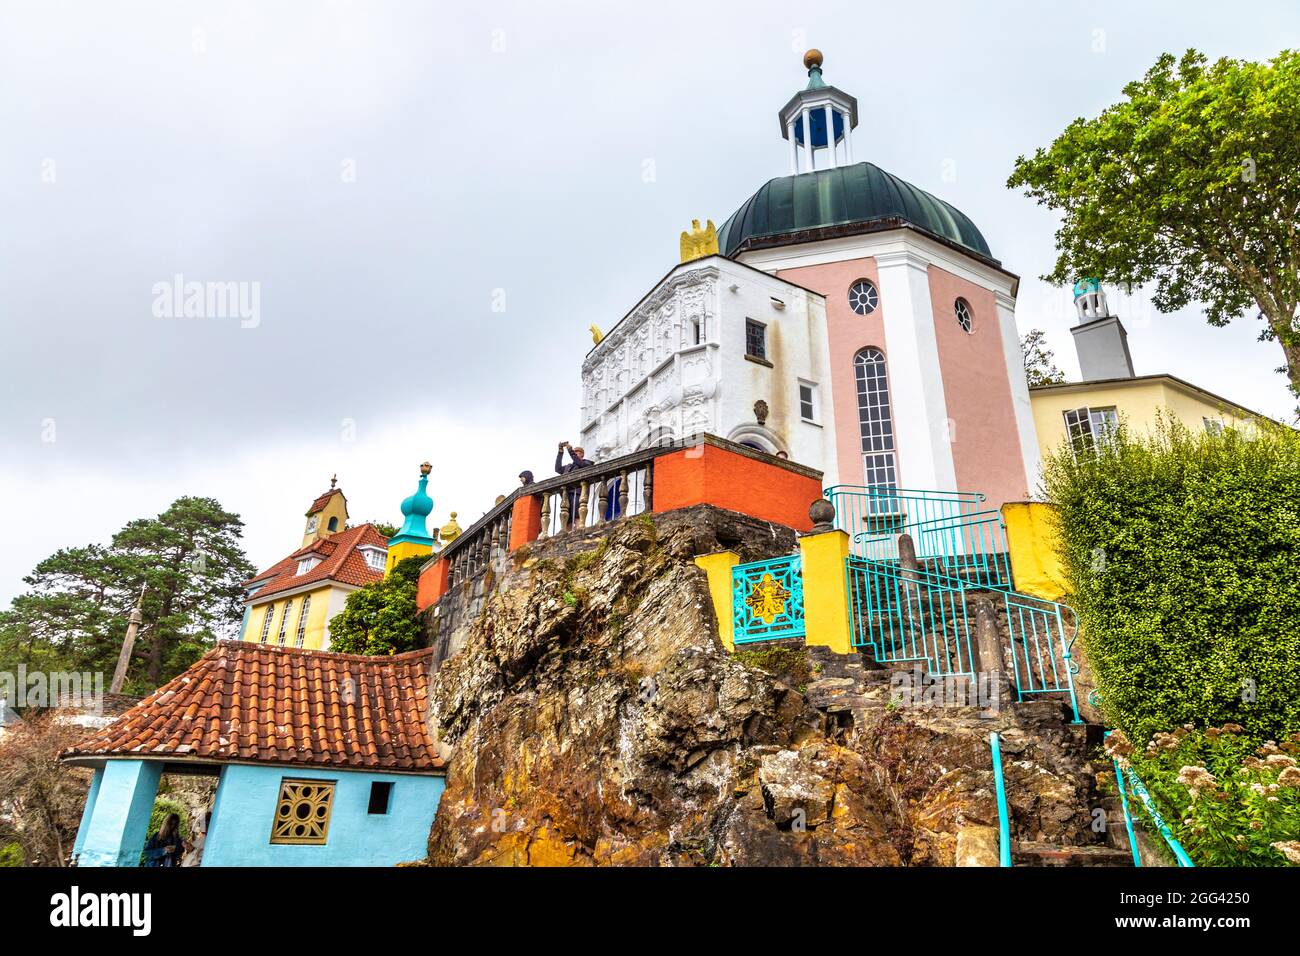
x,y
321,759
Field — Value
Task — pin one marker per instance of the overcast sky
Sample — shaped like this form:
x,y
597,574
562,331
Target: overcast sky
x,y
388,176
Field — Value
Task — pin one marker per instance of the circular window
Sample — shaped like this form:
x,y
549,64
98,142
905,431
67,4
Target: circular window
x,y
965,317
863,297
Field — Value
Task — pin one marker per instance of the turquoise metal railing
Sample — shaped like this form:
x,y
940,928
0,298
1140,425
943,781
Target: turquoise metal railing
x,y
1000,786
767,600
1128,817
922,615
1139,790
947,528
906,616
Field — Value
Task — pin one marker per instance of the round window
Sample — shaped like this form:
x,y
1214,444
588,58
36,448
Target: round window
x,y
863,297
965,317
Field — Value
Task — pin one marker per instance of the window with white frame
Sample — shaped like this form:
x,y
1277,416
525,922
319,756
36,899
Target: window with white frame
x,y
266,621
863,297
302,620
306,564
809,407
875,419
376,558
284,621
965,316
1086,428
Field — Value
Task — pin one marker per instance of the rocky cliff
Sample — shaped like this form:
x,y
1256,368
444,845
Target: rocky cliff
x,y
595,719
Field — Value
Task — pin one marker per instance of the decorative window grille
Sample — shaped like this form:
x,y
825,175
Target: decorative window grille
x,y
1086,428
863,297
965,317
302,814
875,420
302,620
266,622
755,339
284,621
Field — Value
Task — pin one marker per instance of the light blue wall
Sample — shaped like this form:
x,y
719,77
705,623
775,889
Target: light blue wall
x,y
113,829
87,813
240,834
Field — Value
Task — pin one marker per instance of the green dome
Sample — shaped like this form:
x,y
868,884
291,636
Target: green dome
x,y
847,196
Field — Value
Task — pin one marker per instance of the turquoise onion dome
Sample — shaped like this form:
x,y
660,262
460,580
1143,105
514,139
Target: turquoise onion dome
x,y
416,508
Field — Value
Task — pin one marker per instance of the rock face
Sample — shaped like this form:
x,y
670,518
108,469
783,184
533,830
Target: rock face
x,y
596,720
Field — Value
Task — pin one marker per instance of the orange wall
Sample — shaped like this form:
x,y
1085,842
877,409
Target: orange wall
x,y
433,583
525,520
986,453
706,474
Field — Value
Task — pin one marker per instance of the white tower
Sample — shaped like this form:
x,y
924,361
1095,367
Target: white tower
x,y
819,121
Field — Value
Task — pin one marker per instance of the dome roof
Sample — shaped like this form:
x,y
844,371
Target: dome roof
x,y
844,196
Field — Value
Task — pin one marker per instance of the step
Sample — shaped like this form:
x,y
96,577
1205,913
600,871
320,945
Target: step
x,y
1031,853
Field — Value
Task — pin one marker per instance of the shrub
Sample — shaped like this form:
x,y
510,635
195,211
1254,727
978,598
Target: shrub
x,y
381,618
1226,801
11,854
1182,554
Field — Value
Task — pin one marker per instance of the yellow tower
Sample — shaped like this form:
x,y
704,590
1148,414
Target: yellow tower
x,y
327,515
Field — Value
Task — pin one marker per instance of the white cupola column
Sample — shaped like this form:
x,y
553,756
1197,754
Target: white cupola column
x,y
830,137
794,148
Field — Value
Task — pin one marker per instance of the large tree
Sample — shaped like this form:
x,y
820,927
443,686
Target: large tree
x,y
1191,184
1040,364
74,614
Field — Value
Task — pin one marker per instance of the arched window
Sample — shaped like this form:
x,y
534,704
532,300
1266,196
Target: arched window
x,y
875,421
334,524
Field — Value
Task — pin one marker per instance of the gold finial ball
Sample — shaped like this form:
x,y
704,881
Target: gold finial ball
x,y
426,468
812,58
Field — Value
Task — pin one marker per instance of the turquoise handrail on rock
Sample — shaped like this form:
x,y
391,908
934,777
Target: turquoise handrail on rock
x,y
1004,822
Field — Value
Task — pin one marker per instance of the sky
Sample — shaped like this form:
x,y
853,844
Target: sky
x,y
425,205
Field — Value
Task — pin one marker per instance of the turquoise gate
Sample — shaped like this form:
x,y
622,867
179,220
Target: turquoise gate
x,y
767,600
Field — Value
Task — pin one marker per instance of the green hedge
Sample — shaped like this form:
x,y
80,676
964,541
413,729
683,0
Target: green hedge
x,y
1182,552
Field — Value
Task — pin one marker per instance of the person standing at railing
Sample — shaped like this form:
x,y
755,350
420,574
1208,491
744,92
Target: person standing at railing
x,y
577,460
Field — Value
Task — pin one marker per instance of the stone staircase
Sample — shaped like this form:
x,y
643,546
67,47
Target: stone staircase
x,y
1039,744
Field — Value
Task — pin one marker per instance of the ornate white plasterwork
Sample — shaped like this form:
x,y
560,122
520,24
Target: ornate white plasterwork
x,y
656,369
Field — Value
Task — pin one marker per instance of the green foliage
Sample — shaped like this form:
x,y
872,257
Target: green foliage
x,y
74,614
1040,365
1225,800
11,854
1182,553
1192,183
381,618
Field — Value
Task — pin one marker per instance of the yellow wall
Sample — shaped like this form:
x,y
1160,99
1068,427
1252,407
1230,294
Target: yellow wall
x,y
403,550
1034,547
1138,403
718,568
318,614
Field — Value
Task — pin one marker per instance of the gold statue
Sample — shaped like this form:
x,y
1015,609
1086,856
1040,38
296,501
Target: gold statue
x,y
596,334
699,243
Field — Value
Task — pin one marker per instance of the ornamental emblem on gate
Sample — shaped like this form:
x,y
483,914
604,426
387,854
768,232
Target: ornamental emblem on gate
x,y
767,599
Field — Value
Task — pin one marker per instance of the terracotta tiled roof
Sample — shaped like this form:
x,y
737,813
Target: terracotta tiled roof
x,y
323,500
340,561
282,705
